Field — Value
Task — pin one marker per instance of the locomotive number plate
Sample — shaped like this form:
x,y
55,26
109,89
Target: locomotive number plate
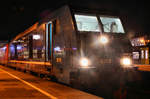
x,y
105,61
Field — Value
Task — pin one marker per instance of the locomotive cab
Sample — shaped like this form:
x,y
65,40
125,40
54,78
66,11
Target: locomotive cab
x,y
101,41
104,51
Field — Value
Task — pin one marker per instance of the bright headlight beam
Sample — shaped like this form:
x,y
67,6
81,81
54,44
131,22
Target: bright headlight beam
x,y
103,39
84,62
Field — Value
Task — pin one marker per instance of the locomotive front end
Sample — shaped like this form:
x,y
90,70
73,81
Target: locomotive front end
x,y
102,40
103,51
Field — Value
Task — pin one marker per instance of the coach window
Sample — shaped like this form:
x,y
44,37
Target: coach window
x,y
22,48
19,51
38,46
2,52
13,51
25,45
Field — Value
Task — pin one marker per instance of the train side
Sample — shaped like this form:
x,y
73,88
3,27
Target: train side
x,y
46,47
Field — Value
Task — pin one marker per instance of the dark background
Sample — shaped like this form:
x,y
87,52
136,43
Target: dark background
x,y
18,15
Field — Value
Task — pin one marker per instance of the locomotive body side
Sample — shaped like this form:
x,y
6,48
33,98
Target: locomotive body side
x,y
46,47
27,51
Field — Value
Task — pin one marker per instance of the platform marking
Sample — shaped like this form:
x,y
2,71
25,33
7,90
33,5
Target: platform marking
x,y
29,84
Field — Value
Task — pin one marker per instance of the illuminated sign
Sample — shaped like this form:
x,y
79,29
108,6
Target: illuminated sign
x,y
135,55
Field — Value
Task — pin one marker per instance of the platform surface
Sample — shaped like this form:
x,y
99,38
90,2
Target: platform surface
x,y
19,85
143,67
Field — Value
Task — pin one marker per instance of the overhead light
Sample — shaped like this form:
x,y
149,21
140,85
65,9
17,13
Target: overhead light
x,y
19,47
57,48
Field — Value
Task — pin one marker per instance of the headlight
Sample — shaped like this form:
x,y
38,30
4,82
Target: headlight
x,y
103,39
84,62
126,61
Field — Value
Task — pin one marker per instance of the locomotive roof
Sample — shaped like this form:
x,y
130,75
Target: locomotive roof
x,y
33,27
94,11
72,9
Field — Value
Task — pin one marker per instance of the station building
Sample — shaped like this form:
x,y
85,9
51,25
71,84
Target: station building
x,y
141,50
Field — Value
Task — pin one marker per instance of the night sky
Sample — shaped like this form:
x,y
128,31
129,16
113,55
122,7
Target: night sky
x,y
18,15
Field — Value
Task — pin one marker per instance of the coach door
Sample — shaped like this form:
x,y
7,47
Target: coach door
x,y
49,42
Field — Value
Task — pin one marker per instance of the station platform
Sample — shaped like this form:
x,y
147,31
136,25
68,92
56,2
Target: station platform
x,y
18,85
143,67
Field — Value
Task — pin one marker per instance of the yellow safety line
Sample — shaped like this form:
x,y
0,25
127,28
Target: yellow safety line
x,y
31,62
29,84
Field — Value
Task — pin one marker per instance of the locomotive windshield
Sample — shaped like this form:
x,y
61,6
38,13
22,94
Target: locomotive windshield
x,y
112,25
87,23
91,24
